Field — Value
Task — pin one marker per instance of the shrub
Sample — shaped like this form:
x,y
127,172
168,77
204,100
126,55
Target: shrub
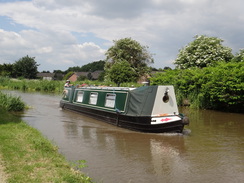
x,y
11,103
220,87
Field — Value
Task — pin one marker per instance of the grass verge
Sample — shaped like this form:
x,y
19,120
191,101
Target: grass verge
x,y
29,157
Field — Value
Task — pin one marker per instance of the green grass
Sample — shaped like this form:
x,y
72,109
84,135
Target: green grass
x,y
29,157
11,103
50,86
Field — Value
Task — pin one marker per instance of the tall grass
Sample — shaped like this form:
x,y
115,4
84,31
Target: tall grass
x,y
50,86
31,85
11,103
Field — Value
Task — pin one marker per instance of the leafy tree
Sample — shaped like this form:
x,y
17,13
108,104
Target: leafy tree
x,y
58,74
101,76
90,67
6,69
121,72
25,67
89,76
202,52
67,76
58,71
239,57
94,66
81,78
131,51
73,69
167,68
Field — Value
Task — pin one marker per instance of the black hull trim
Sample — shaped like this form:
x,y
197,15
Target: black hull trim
x,y
135,123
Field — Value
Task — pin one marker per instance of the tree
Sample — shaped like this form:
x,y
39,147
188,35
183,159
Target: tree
x,y
121,72
167,68
6,69
68,75
131,51
90,67
202,52
94,66
81,78
239,57
25,67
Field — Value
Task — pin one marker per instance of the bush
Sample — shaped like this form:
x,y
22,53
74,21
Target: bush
x,y
11,103
220,87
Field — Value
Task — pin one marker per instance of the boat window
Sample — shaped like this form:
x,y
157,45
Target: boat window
x,y
93,98
110,100
79,97
166,95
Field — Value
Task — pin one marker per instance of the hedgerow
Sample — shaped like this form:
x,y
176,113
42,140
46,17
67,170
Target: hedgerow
x,y
220,87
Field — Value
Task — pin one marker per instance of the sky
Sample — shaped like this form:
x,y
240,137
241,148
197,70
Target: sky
x,y
67,33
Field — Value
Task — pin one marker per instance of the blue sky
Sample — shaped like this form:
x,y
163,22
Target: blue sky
x,y
62,34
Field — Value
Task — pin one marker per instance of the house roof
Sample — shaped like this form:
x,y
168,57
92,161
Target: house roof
x,y
45,75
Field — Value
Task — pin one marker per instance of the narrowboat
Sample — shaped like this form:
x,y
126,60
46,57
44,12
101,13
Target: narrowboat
x,y
150,109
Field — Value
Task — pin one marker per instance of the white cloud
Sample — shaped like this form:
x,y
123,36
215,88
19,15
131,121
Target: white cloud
x,y
62,34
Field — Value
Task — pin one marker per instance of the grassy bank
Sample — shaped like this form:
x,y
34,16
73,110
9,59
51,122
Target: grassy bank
x,y
31,85
49,86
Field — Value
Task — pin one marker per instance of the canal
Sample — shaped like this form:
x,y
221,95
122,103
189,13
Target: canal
x,y
211,149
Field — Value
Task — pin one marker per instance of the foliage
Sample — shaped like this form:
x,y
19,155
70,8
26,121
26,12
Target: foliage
x,y
51,86
32,85
202,52
90,67
6,70
94,66
67,76
25,67
220,87
101,76
239,57
132,52
81,78
89,76
11,103
121,72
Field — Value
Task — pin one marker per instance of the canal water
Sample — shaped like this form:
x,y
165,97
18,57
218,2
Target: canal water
x,y
210,150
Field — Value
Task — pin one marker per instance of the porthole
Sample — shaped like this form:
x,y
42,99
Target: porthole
x,y
166,98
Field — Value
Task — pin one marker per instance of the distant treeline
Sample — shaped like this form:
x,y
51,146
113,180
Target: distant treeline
x,y
26,67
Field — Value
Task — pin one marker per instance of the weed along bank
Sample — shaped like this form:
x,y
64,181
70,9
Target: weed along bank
x,y
150,109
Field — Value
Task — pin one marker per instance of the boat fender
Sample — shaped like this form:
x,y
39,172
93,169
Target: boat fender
x,y
185,120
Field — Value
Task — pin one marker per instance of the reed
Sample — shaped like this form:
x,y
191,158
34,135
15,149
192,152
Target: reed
x,y
51,86
11,103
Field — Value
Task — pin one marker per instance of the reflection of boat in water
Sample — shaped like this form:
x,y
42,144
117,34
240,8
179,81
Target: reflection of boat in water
x,y
147,109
